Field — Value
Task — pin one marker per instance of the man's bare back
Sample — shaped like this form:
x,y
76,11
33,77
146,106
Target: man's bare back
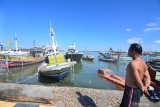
x,y
137,67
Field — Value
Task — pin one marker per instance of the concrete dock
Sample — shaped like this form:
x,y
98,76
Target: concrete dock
x,y
63,96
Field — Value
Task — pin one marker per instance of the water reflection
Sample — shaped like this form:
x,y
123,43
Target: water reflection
x,y
89,61
84,74
78,67
17,74
46,80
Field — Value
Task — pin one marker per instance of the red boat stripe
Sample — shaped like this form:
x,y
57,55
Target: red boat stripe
x,y
130,97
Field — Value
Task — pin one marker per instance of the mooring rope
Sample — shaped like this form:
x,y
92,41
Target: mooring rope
x,y
27,78
72,68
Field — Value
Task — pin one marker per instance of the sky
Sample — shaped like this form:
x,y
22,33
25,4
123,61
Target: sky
x,y
91,24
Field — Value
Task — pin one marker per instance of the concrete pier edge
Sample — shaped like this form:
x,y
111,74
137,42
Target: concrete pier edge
x,y
71,96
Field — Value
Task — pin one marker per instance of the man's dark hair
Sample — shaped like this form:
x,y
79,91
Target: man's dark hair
x,y
136,47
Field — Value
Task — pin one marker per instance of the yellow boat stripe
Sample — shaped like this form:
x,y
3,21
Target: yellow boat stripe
x,y
7,104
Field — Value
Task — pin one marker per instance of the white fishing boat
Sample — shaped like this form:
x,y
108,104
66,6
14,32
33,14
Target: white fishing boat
x,y
55,64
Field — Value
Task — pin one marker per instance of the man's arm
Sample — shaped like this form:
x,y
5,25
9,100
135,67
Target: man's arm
x,y
146,79
136,76
147,82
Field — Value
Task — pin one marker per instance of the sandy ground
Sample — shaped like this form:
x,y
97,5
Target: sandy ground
x,y
71,96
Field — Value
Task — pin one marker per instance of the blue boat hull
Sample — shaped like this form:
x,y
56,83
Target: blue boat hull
x,y
56,76
61,76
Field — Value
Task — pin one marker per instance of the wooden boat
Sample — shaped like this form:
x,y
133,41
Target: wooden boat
x,y
19,61
116,80
88,57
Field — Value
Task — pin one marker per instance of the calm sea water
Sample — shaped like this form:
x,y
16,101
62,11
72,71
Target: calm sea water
x,y
84,74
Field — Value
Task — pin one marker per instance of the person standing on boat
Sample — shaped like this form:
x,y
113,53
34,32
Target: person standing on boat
x,y
137,78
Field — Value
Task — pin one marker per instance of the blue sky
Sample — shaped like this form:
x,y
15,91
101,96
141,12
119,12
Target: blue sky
x,y
91,24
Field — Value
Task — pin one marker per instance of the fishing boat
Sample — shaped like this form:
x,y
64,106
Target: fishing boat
x,y
12,58
19,61
73,54
88,57
107,57
55,65
114,79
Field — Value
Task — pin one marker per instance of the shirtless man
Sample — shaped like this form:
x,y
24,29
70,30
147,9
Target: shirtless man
x,y
137,78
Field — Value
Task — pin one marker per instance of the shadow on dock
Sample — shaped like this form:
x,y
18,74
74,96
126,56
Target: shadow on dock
x,y
85,100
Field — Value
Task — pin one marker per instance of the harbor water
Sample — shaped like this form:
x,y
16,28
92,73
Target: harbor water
x,y
83,74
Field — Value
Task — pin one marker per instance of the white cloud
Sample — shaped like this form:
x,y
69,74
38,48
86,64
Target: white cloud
x,y
134,40
152,29
128,29
157,41
151,24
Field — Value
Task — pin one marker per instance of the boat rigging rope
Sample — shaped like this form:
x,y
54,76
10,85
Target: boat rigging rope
x,y
6,61
27,78
72,71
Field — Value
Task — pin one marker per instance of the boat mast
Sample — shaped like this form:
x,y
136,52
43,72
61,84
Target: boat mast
x,y
15,39
52,37
34,43
74,46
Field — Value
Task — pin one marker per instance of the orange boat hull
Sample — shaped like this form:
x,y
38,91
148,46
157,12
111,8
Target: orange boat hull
x,y
114,79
